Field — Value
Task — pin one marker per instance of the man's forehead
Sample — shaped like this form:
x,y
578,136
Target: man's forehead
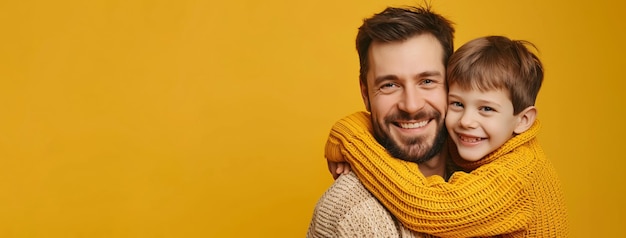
x,y
397,58
421,48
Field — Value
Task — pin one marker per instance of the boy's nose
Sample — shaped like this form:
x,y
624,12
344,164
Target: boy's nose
x,y
468,121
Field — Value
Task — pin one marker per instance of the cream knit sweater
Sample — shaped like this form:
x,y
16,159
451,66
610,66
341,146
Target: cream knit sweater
x,y
347,209
513,191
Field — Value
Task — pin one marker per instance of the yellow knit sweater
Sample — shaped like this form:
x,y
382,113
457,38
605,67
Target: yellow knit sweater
x,y
513,191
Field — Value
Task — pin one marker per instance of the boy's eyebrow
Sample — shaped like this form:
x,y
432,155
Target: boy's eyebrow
x,y
454,96
394,77
490,102
480,101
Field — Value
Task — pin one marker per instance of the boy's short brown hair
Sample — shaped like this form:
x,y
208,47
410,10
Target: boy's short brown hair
x,y
497,62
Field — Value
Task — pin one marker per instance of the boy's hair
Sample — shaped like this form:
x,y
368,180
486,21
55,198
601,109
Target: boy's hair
x,y
497,62
398,24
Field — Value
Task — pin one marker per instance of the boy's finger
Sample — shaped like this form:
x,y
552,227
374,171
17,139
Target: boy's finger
x,y
340,168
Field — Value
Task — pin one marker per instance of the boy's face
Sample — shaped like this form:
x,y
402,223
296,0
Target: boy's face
x,y
479,122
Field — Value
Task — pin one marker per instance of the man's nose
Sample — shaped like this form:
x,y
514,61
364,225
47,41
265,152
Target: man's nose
x,y
412,101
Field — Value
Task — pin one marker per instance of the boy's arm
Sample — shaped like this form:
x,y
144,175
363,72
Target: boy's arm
x,y
488,201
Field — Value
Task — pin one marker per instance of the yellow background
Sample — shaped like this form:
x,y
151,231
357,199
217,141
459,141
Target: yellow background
x,y
208,118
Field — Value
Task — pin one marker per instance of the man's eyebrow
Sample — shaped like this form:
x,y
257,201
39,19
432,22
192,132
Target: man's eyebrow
x,y
382,78
429,74
424,74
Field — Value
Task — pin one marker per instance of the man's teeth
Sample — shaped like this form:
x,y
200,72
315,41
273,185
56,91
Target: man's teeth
x,y
413,125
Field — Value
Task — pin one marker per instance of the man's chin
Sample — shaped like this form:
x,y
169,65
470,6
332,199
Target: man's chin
x,y
413,153
407,148
417,149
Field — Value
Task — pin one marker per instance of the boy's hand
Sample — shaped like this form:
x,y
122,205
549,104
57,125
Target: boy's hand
x,y
338,168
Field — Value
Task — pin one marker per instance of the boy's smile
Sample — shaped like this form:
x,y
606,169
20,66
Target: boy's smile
x,y
479,122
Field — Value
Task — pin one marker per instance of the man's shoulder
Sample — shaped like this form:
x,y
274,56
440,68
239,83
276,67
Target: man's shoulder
x,y
348,190
348,209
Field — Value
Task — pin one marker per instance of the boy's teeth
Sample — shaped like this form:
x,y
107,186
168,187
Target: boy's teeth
x,y
470,139
413,125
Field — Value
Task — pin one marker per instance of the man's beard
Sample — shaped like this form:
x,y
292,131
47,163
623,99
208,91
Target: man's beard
x,y
420,154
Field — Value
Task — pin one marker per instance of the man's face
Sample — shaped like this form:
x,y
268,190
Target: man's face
x,y
407,97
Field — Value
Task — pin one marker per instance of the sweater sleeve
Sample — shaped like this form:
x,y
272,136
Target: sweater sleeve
x,y
490,200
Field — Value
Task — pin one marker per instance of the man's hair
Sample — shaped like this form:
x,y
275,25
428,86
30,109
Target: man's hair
x,y
398,24
497,62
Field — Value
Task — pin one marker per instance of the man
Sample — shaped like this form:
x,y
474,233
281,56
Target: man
x,y
403,54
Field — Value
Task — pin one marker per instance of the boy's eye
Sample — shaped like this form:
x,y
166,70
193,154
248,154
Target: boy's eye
x,y
487,109
456,104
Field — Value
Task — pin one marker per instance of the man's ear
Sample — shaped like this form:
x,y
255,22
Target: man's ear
x,y
365,95
526,119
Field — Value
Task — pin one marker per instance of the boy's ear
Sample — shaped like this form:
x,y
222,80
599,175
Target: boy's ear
x,y
365,95
526,119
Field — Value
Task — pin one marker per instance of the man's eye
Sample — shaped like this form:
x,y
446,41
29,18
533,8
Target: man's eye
x,y
389,88
388,85
428,81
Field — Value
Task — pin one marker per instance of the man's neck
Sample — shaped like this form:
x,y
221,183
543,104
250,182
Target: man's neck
x,y
434,166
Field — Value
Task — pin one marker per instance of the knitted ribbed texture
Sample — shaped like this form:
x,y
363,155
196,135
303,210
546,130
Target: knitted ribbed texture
x,y
347,209
515,191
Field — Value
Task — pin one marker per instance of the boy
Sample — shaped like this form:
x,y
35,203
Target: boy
x,y
508,188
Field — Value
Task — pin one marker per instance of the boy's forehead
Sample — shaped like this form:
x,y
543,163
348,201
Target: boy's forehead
x,y
455,89
480,83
